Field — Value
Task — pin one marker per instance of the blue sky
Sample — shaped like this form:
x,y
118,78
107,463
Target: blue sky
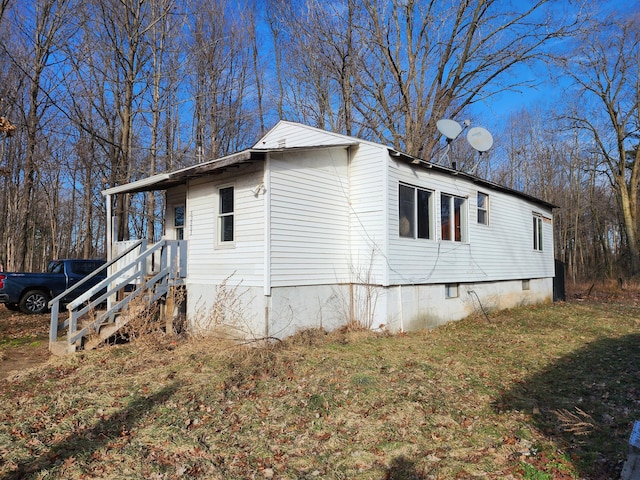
x,y
552,88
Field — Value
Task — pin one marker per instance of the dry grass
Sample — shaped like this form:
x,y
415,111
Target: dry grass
x,y
466,400
607,289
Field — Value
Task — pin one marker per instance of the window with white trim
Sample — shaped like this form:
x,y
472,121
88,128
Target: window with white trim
x,y
453,218
537,232
178,222
451,290
225,214
483,208
414,212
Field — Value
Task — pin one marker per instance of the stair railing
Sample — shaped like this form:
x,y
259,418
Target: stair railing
x,y
172,268
55,326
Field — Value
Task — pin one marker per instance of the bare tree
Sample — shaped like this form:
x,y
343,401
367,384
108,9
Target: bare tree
x,y
317,58
161,32
539,156
109,65
428,60
4,5
48,23
606,69
220,59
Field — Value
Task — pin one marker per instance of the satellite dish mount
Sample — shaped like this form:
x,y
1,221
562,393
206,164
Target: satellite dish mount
x,y
451,130
479,138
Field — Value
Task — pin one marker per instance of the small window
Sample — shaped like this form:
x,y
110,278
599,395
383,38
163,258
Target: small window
x,y
414,212
451,290
225,214
537,232
526,285
483,208
453,218
178,222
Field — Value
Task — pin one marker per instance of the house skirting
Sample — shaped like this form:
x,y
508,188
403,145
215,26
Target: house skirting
x,y
246,313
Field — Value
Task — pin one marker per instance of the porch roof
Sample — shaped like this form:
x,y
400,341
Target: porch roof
x,y
162,181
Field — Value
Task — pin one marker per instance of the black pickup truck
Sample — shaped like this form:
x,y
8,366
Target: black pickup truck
x,y
31,292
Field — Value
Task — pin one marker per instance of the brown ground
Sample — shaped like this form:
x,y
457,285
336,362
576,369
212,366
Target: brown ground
x,y
24,338
23,341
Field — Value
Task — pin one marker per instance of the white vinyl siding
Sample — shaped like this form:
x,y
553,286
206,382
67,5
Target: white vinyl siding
x,y
210,263
368,214
288,135
366,177
309,217
500,251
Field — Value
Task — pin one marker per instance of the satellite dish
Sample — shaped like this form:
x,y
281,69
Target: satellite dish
x,y
449,128
480,139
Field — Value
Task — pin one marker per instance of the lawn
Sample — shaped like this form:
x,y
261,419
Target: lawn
x,y
543,392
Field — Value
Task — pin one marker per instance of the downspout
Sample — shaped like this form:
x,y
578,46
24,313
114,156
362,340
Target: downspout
x,y
400,308
350,227
267,242
385,207
385,266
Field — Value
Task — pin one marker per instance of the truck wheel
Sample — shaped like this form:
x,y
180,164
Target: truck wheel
x,y
34,301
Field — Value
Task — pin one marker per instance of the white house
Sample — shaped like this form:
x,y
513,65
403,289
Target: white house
x,y
312,229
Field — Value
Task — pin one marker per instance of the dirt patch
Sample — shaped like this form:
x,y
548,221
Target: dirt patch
x,y
23,341
20,358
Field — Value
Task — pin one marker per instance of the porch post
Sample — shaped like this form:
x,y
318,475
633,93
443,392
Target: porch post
x,y
108,246
109,229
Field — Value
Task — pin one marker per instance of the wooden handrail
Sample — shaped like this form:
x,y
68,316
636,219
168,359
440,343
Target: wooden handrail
x,y
170,271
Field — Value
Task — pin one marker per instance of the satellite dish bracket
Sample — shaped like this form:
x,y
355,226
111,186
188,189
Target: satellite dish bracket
x,y
479,138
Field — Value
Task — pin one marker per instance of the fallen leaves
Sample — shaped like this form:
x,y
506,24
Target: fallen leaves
x,y
347,409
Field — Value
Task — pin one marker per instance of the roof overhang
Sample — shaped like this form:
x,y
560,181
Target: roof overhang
x,y
163,181
419,162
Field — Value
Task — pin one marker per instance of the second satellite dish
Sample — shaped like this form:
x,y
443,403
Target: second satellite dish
x,y
480,139
449,128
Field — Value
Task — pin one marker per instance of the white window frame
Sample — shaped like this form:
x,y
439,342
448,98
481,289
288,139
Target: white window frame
x,y
451,290
178,230
484,209
409,228
464,218
223,216
538,244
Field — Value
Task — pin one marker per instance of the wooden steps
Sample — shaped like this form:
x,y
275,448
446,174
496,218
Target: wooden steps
x,y
153,270
91,340
106,330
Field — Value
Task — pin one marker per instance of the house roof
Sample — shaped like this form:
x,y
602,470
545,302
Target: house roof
x,y
468,176
163,181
